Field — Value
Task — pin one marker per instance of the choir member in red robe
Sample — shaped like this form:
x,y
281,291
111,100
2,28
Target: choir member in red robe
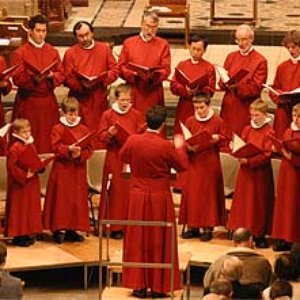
x,y
66,206
238,96
5,88
120,114
23,206
94,60
286,213
35,99
147,50
287,78
194,67
252,206
202,204
151,158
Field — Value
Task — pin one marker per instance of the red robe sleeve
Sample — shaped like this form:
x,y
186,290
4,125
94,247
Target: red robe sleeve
x,y
14,171
277,86
58,73
105,123
5,90
58,147
178,159
126,73
178,88
112,67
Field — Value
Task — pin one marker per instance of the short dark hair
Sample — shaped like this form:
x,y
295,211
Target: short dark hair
x,y
241,235
285,267
195,38
281,288
155,116
3,253
37,19
202,97
292,36
78,25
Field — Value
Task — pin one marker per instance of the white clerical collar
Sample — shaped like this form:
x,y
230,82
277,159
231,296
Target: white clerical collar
x,y
144,38
246,52
294,127
153,130
115,107
91,46
31,41
295,60
64,121
204,119
267,120
30,140
194,62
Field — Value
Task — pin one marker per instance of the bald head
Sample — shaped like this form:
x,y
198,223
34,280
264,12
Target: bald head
x,y
242,236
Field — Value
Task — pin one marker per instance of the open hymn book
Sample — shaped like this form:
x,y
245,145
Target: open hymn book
x,y
195,83
237,77
293,93
8,71
241,149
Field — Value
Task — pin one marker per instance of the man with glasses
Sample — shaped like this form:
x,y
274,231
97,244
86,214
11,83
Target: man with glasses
x,y
241,93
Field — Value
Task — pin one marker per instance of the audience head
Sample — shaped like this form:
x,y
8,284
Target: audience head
x,y
285,267
243,237
149,25
296,115
84,33
202,104
295,254
123,96
38,26
258,111
3,254
222,287
281,290
156,117
232,269
292,42
22,128
197,46
70,108
244,37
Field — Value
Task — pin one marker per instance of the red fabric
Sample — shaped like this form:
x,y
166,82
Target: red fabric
x,y
253,198
91,62
23,206
119,188
202,203
66,204
37,102
150,157
185,106
286,211
286,79
235,105
149,54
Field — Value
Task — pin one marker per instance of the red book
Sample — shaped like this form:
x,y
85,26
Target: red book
x,y
123,132
144,71
293,145
237,77
241,149
195,83
8,71
37,71
29,159
90,81
86,140
285,95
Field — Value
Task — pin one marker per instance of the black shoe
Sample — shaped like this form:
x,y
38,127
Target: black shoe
x,y
281,245
21,241
206,236
117,235
191,233
158,295
261,242
73,236
58,237
31,240
142,293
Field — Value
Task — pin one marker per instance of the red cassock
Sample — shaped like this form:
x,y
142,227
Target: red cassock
x,y
286,79
185,107
286,211
253,199
91,62
118,193
150,54
3,91
23,206
235,104
202,203
66,205
36,101
150,157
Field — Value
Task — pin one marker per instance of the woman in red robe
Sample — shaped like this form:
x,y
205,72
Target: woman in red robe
x,y
252,206
202,204
151,158
66,205
132,121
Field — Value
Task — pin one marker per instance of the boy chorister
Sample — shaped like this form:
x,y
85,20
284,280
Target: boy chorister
x,y
253,198
66,206
122,113
286,211
202,204
23,209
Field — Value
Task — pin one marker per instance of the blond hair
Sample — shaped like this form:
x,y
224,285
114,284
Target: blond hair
x,y
19,124
259,105
70,105
122,88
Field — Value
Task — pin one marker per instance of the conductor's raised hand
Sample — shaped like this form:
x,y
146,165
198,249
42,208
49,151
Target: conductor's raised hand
x,y
178,141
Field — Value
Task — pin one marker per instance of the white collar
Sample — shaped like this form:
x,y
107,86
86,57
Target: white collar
x,y
26,142
64,121
91,46
115,107
209,116
294,127
153,130
145,39
295,60
32,42
247,52
194,62
268,120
